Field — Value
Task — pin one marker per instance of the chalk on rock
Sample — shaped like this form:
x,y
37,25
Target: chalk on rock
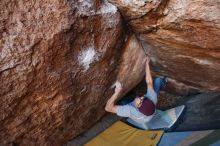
x,y
117,84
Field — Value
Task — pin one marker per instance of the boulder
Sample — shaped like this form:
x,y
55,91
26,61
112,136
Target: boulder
x,y
58,62
181,36
132,66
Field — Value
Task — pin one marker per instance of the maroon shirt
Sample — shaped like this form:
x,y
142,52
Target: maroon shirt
x,y
147,107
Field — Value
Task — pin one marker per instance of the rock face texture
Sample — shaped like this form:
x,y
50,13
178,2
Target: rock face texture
x,y
58,61
181,36
132,66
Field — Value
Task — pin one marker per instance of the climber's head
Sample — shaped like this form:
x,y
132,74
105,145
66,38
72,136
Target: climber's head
x,y
138,101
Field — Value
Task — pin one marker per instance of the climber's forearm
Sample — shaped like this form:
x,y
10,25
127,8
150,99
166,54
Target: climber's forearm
x,y
111,100
115,95
149,79
110,105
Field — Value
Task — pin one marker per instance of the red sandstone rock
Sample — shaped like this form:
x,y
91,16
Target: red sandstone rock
x,y
57,63
59,59
132,66
182,37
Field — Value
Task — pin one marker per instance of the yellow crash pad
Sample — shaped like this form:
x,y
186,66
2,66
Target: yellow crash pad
x,y
121,134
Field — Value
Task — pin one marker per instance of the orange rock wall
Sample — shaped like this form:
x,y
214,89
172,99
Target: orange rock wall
x,y
181,36
58,61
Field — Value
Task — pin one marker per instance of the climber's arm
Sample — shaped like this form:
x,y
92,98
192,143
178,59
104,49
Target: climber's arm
x,y
149,79
110,106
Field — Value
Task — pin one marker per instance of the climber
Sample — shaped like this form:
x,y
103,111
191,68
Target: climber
x,y
141,109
